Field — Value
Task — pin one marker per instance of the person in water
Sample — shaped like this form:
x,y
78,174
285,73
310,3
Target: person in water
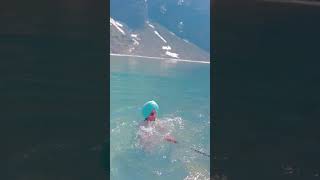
x,y
150,110
149,125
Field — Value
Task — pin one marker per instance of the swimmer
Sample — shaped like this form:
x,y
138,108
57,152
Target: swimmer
x,y
150,110
150,127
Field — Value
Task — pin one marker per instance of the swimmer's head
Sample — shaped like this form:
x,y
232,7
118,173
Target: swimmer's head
x,y
150,110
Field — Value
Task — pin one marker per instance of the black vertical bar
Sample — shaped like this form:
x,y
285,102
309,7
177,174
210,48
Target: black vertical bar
x,y
54,87
106,153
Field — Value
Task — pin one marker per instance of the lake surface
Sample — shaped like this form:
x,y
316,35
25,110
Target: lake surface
x,y
182,90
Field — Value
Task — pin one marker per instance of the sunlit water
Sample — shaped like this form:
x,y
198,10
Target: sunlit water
x,y
182,91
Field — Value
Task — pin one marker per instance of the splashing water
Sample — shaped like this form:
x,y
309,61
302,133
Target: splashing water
x,y
151,138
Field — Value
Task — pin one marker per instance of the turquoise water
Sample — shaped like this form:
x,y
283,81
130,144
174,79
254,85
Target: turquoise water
x,y
182,91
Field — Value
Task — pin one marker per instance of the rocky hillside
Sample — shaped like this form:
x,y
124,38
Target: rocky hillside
x,y
152,39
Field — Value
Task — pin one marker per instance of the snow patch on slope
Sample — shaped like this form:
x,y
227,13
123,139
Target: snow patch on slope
x,y
134,35
172,33
135,39
175,55
185,40
150,25
135,42
156,32
117,25
166,47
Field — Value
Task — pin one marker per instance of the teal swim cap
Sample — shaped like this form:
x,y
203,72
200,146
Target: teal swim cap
x,y
148,107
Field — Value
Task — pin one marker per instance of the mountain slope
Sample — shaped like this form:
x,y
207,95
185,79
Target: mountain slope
x,y
152,40
187,18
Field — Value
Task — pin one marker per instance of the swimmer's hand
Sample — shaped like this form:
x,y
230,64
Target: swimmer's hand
x,y
170,139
